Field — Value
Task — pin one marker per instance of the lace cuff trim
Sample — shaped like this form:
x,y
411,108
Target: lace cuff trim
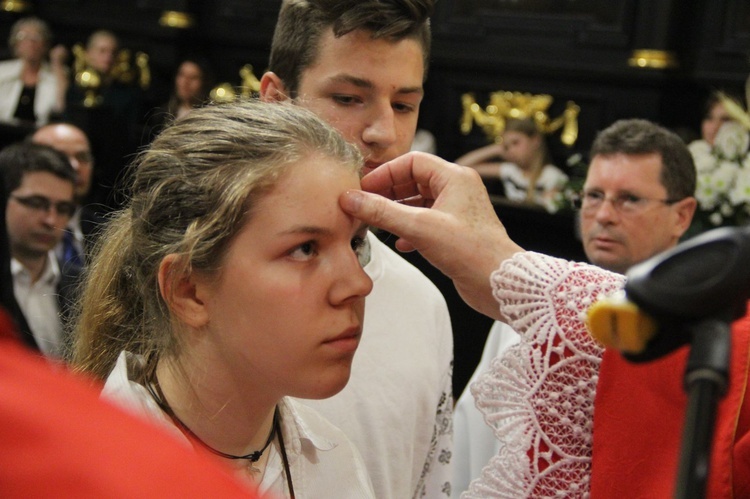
x,y
538,397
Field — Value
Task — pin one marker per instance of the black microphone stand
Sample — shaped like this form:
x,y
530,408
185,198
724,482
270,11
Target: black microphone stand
x,y
695,291
706,379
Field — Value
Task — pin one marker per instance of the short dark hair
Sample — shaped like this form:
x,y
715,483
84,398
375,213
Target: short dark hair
x,y
16,160
637,136
301,24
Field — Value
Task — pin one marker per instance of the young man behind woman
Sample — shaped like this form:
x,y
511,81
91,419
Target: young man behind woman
x,y
361,67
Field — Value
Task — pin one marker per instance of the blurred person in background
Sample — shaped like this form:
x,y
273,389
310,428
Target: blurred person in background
x,y
32,89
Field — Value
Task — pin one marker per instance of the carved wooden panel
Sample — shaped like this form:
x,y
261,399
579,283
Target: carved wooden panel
x,y
524,32
723,43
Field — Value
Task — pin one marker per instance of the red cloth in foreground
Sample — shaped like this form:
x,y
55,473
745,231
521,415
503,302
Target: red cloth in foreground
x,y
58,439
639,415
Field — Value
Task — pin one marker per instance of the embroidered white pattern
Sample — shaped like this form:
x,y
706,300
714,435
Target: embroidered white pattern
x,y
539,397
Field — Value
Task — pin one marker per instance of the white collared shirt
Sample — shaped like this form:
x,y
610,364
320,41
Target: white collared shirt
x,y
39,304
322,460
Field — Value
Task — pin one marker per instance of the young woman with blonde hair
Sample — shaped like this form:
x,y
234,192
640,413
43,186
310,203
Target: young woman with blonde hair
x,y
231,282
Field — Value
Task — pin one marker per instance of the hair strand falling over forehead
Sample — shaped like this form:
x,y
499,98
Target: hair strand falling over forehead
x,y
193,190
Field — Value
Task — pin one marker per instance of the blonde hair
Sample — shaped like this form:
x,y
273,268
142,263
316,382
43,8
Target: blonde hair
x,y
193,190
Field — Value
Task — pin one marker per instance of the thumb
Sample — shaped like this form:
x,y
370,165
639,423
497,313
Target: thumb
x,y
381,212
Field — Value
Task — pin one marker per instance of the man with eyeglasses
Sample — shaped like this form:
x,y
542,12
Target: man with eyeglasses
x,y
39,183
83,225
637,201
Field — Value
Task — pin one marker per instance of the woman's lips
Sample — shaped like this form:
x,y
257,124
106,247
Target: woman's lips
x,y
346,341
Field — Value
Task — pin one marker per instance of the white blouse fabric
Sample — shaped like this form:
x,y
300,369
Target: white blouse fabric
x,y
538,398
515,184
323,462
45,98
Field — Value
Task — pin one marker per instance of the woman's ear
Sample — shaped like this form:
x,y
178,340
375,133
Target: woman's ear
x,y
180,292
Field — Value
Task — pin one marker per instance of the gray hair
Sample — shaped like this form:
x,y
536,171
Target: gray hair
x,y
40,25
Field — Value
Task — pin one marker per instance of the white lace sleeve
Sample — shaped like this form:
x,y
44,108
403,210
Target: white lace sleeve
x,y
539,397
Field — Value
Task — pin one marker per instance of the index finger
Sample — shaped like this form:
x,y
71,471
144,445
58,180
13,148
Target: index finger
x,y
413,175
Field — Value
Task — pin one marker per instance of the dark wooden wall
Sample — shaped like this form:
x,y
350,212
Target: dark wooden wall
x,y
574,50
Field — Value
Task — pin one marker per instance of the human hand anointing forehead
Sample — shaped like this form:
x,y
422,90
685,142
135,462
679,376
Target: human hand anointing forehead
x,y
442,210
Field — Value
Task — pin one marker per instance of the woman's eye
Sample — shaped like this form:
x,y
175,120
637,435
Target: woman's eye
x,y
304,251
361,249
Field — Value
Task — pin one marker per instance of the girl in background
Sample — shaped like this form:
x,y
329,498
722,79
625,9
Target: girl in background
x,y
715,115
522,162
192,83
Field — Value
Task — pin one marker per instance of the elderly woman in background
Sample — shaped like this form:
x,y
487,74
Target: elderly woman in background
x,y
31,88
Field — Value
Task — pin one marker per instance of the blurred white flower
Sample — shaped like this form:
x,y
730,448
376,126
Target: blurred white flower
x,y
699,147
707,194
703,158
740,191
732,141
716,218
723,190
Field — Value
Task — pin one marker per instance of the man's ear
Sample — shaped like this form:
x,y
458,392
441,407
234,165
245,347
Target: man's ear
x,y
180,291
272,88
685,209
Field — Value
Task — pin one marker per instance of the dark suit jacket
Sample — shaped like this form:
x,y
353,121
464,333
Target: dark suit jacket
x,y
67,295
92,223
68,291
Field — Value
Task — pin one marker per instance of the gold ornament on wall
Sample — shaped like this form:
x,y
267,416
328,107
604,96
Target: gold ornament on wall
x,y
654,59
86,78
16,6
176,19
223,92
250,86
504,105
89,79
125,71
144,71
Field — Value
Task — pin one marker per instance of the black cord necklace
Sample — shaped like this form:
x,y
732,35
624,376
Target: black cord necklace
x,y
155,390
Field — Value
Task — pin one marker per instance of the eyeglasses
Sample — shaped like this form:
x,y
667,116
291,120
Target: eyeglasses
x,y
626,204
83,157
40,203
